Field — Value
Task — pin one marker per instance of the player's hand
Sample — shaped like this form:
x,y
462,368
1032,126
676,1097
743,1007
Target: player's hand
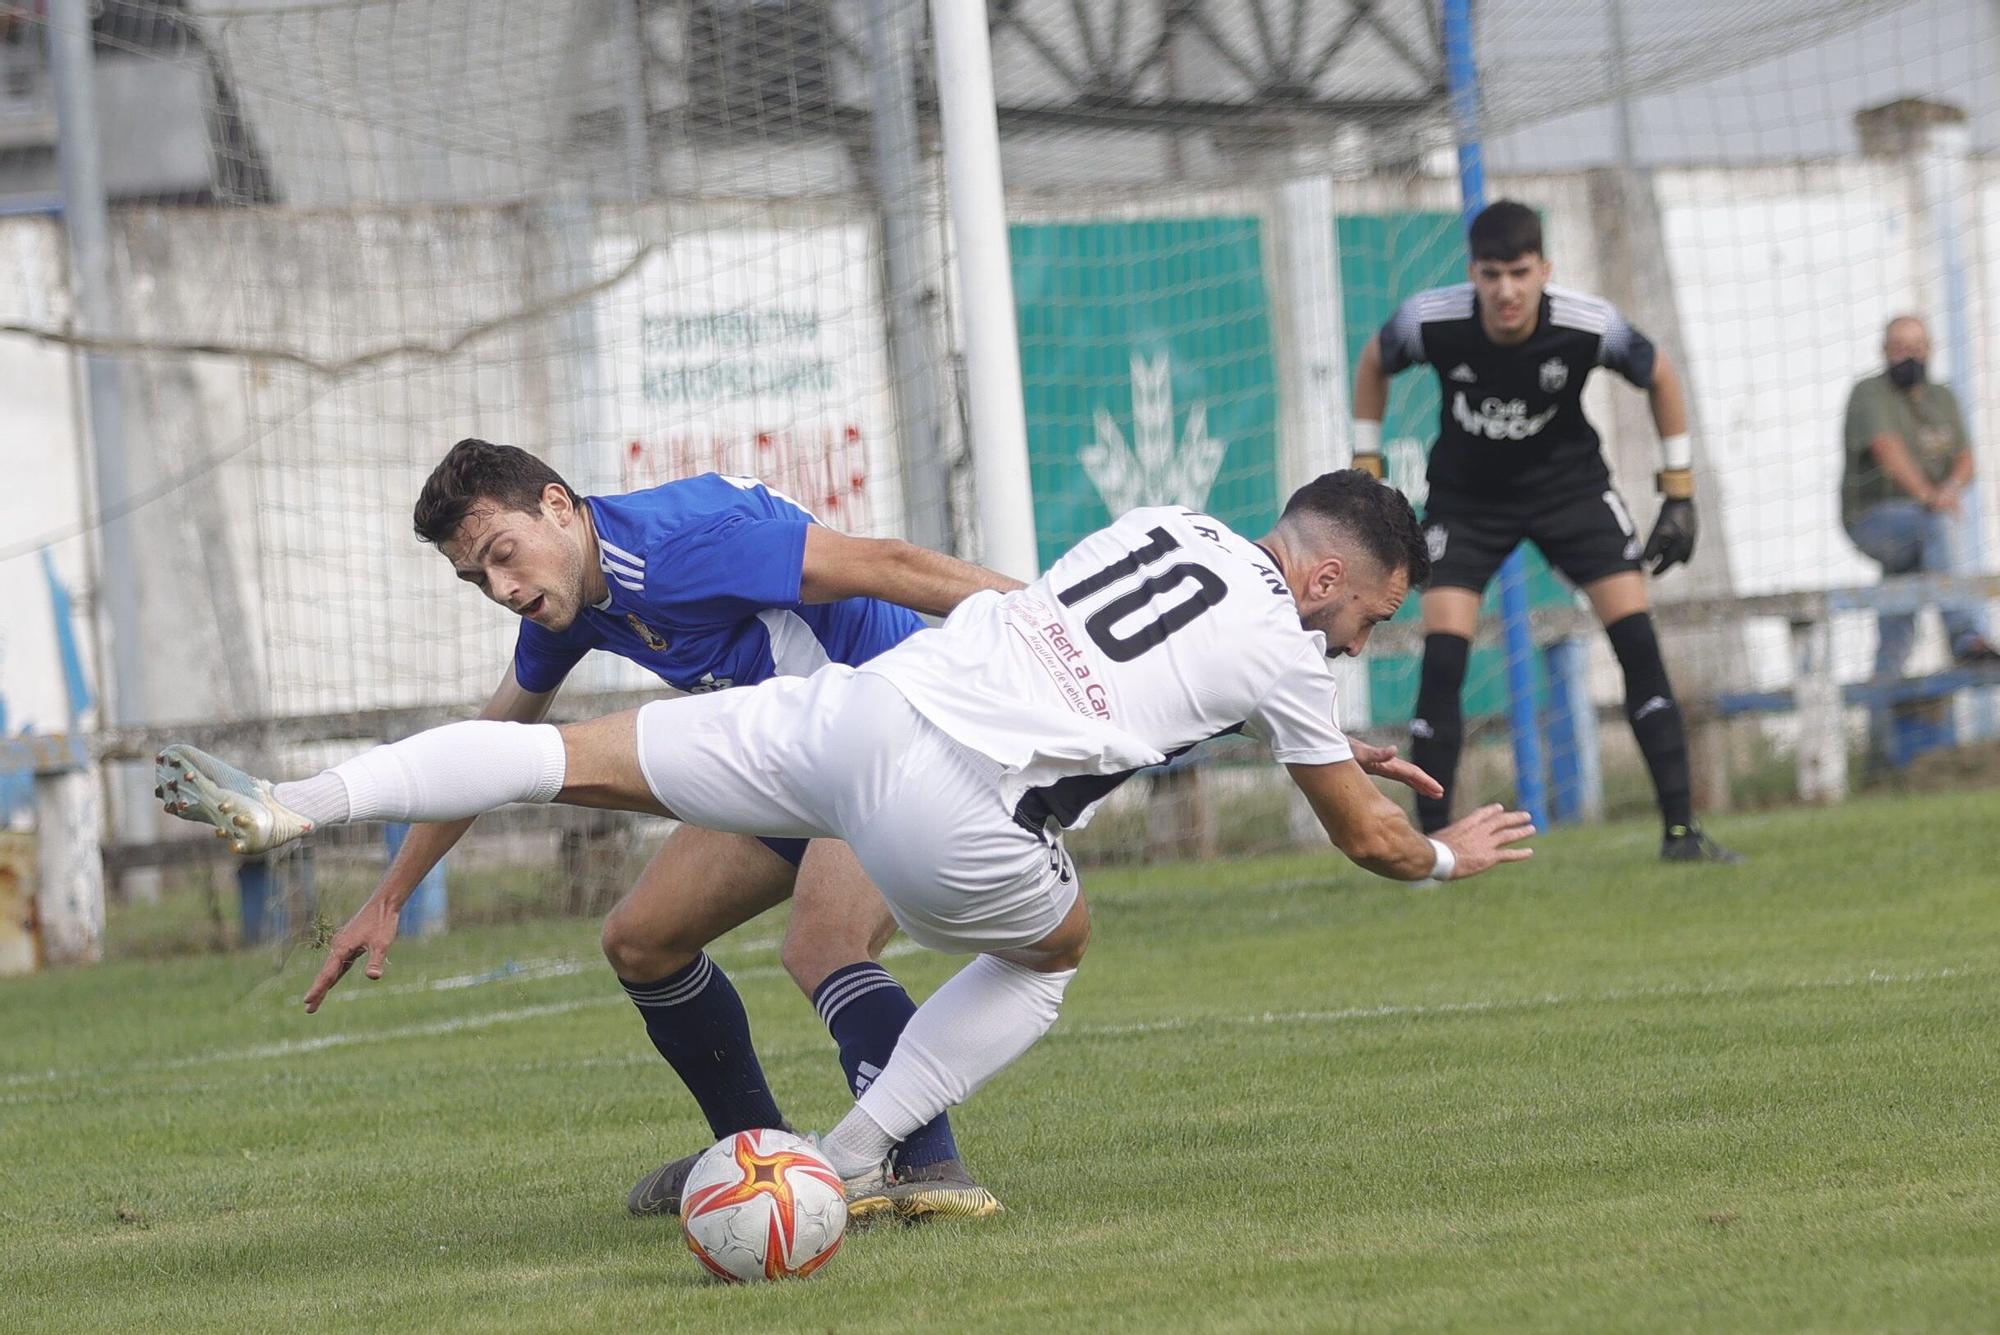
x,y
1486,838
1672,540
1370,464
1944,500
1381,762
369,932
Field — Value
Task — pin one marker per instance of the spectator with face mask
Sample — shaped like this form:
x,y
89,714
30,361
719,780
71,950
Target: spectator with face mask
x,y
1909,463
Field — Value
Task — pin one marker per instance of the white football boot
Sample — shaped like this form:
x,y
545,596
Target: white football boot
x,y
868,1198
198,787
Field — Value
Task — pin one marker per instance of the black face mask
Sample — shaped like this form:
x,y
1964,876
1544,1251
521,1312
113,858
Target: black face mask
x,y
1907,372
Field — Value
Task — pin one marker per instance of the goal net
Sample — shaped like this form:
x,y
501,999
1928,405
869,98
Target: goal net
x,y
649,238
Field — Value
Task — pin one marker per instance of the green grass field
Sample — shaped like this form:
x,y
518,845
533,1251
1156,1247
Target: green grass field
x,y
1591,1094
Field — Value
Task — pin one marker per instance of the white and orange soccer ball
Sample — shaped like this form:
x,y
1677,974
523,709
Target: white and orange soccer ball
x,y
763,1205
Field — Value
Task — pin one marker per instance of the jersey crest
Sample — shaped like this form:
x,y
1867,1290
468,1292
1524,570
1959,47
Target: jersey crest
x,y
652,638
1555,374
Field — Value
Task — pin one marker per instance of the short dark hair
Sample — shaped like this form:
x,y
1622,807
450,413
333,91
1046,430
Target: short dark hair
x,y
1372,513
1505,230
476,470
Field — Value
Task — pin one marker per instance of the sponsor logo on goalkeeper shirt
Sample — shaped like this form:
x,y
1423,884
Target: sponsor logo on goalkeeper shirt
x,y
1500,419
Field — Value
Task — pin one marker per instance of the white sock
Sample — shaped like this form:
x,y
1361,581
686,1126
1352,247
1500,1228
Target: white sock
x,y
322,799
858,1144
986,1015
448,773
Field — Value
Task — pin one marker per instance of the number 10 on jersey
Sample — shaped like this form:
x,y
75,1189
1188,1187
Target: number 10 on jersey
x,y
1136,590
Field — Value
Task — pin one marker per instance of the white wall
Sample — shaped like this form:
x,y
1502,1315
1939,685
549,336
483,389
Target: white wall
x,y
279,570
42,501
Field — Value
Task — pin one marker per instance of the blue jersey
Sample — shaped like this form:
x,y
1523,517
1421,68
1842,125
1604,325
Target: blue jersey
x,y
704,591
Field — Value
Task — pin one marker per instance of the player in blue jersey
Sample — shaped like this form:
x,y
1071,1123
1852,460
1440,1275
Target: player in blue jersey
x,y
710,582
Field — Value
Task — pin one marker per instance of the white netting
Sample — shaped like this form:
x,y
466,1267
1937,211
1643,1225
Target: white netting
x,y
647,238
643,241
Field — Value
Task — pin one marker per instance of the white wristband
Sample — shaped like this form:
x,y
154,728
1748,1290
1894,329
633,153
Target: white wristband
x,y
1367,437
1447,861
1676,451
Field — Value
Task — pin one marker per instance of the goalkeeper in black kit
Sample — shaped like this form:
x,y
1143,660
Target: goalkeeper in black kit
x,y
1516,459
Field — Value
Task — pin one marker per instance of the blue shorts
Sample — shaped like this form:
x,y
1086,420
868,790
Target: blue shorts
x,y
791,850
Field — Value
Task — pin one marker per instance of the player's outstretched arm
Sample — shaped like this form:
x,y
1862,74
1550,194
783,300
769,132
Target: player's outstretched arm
x,y
1373,832
1383,763
372,929
838,566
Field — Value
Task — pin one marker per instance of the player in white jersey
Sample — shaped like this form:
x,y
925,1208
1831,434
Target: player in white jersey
x,y
952,763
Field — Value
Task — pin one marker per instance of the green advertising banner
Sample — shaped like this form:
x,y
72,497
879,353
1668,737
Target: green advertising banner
x,y
1385,258
1147,370
1150,378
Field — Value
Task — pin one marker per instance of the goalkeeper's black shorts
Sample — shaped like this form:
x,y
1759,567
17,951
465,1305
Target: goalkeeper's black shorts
x,y
1586,537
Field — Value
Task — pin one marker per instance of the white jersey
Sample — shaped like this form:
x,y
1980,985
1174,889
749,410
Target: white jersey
x,y
1161,631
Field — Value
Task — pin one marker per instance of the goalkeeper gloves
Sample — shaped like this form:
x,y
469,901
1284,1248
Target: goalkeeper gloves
x,y
1672,540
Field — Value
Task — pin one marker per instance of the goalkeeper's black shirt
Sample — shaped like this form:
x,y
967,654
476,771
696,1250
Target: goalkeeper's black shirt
x,y
1512,431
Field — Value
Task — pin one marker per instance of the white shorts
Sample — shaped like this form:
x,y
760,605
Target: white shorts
x,y
841,753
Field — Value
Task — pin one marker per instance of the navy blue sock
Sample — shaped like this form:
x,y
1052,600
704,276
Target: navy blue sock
x,y
696,1020
866,1008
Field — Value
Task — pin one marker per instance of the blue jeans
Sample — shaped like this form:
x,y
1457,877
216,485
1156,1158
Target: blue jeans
x,y
1905,538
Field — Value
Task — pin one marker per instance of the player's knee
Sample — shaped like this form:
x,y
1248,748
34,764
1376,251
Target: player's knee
x,y
1445,656
1634,640
1637,647
834,924
1443,672
812,952
1438,712
641,955
1062,958
1061,949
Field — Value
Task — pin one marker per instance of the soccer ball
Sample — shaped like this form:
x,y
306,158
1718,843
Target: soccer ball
x,y
763,1205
